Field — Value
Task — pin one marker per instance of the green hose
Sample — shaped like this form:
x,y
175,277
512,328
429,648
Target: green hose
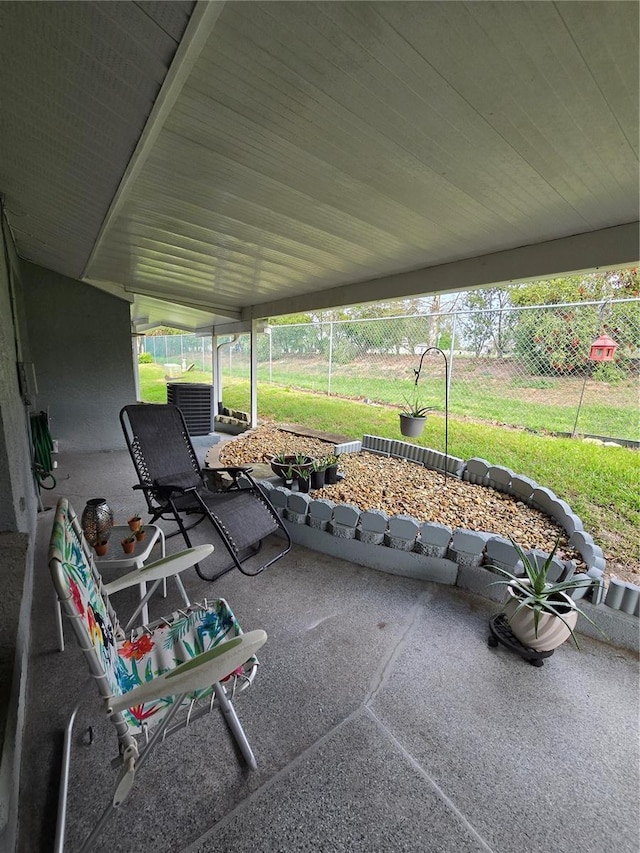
x,y
42,444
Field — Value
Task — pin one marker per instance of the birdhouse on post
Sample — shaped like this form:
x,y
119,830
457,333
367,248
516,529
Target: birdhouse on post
x,y
603,349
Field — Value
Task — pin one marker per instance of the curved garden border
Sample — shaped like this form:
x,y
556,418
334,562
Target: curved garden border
x,y
430,551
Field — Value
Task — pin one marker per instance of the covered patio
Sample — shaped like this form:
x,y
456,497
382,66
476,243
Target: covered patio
x,y
207,165
380,720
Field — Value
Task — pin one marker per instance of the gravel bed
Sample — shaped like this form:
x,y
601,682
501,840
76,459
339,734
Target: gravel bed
x,y
400,487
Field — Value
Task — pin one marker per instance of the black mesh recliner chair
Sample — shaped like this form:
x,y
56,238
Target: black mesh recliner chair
x,y
174,486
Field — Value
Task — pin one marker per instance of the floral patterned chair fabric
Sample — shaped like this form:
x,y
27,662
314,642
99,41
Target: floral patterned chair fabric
x,y
171,671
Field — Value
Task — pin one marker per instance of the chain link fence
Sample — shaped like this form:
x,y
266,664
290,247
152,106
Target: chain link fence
x,y
526,367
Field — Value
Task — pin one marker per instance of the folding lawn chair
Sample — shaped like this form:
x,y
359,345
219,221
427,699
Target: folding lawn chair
x,y
159,678
174,485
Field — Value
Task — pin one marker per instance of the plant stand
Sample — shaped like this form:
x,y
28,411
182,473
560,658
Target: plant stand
x,y
502,633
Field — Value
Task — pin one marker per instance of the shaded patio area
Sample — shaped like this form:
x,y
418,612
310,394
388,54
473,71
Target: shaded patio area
x,y
380,720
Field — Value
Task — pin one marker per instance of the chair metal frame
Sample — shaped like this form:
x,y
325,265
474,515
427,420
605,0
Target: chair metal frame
x,y
187,492
232,661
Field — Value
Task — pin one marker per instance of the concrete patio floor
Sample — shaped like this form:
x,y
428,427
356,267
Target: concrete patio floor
x,y
380,719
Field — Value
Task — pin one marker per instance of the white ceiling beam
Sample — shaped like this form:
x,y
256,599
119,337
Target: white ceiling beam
x,y
198,305
112,288
605,249
240,328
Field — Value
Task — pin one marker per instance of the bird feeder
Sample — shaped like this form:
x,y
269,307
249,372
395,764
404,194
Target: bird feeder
x,y
603,349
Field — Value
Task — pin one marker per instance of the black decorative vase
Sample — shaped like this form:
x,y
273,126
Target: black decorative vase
x,y
96,521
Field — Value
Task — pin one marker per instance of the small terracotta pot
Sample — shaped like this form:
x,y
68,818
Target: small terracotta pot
x,y
134,524
140,534
101,548
128,547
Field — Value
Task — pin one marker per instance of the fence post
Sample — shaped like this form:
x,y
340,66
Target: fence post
x,y
330,358
451,347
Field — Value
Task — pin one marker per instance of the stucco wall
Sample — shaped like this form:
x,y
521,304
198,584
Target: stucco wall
x,y
18,504
81,344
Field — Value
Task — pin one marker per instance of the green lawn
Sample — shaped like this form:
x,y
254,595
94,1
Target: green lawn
x,y
600,483
539,403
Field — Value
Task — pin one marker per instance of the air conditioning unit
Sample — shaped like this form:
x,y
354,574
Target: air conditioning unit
x,y
195,401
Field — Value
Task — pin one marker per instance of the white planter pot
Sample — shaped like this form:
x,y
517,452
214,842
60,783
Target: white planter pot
x,y
411,427
552,631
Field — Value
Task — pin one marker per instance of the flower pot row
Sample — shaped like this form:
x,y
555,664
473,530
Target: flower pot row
x,y
129,542
309,473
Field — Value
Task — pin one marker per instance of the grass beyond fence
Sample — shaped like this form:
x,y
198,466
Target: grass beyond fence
x,y
600,483
537,403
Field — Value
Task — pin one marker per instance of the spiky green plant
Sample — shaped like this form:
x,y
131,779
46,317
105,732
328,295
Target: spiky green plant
x,y
535,592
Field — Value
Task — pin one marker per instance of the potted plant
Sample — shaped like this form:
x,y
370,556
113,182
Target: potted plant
x,y
413,416
540,614
288,465
140,534
318,473
134,523
331,476
304,480
101,547
128,544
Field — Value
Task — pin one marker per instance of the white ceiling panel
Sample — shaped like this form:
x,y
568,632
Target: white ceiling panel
x,y
302,152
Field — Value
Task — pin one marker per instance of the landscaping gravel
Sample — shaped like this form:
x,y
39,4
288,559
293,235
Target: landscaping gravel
x,y
400,487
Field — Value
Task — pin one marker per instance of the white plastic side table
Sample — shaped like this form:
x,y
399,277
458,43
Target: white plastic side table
x,y
117,559
135,560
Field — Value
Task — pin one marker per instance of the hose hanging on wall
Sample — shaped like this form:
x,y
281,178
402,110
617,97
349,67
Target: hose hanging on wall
x,y
42,445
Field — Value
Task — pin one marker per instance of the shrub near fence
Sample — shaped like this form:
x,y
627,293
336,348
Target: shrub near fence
x,y
536,381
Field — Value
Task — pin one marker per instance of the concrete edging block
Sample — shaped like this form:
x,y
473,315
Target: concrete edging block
x,y
347,515
341,531
402,532
620,629
347,447
542,498
522,487
322,509
478,580
374,521
378,557
476,471
499,478
298,502
501,553
279,497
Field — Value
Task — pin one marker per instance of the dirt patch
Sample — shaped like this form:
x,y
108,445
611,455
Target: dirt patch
x,y
401,487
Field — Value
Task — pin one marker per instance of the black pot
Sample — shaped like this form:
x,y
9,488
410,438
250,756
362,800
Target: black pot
x,y
317,479
331,475
304,484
